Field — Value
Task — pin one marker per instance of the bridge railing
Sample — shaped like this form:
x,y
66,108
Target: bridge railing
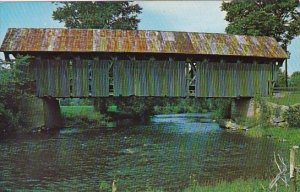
x,y
272,90
279,90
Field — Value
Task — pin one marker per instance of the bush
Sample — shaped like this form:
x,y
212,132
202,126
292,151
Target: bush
x,y
292,116
14,84
221,108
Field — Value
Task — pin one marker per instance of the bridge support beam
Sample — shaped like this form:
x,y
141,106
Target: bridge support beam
x,y
39,113
52,113
243,107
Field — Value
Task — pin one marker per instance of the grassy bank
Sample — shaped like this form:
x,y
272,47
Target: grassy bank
x,y
234,186
287,99
239,185
82,116
290,135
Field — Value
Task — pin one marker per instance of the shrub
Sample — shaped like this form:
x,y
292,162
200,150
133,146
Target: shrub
x,y
292,116
221,108
15,82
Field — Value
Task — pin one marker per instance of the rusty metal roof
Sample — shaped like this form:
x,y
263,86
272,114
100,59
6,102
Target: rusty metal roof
x,y
105,40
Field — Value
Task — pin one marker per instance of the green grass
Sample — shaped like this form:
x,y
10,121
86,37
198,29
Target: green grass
x,y
251,185
239,185
76,110
288,99
290,135
82,116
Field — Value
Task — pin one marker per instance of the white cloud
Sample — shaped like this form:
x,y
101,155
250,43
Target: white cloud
x,y
199,16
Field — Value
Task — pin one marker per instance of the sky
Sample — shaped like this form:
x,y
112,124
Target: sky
x,y
190,16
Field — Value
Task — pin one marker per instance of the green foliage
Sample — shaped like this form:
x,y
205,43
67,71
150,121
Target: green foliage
x,y
275,18
140,108
295,79
14,83
249,185
291,135
265,112
82,116
280,79
221,108
289,99
180,105
75,102
104,186
292,116
98,14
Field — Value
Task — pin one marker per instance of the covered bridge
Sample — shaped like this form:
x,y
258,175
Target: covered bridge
x,y
101,62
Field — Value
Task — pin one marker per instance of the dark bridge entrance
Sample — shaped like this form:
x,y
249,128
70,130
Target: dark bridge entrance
x,y
100,63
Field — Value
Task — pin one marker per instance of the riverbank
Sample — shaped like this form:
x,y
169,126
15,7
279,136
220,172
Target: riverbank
x,y
238,185
290,135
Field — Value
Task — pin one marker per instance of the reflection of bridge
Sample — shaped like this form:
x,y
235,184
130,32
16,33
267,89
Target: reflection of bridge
x,y
99,63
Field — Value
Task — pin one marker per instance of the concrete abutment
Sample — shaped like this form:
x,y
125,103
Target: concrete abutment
x,y
243,107
39,113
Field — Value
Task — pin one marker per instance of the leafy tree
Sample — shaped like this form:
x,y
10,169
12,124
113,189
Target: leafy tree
x,y
281,82
98,15
275,18
295,79
14,83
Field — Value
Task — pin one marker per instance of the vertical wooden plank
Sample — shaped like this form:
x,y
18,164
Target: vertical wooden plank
x,y
80,78
99,77
182,79
64,78
37,74
156,69
116,77
56,77
123,77
201,84
44,78
293,173
209,71
235,79
50,78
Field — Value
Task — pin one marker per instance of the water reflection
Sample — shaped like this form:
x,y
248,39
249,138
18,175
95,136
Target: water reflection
x,y
162,154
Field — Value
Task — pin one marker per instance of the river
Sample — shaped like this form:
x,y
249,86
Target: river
x,y
162,154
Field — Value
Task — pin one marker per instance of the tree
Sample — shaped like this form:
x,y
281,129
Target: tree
x,y
295,79
98,15
275,18
14,83
281,82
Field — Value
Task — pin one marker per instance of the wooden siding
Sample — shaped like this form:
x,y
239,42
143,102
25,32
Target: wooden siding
x,y
91,78
100,77
80,78
71,78
52,77
149,78
232,79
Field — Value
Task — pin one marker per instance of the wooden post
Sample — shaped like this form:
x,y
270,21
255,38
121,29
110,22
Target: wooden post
x,y
293,174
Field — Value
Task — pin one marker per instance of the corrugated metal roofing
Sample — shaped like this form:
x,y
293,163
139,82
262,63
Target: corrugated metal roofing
x,y
104,40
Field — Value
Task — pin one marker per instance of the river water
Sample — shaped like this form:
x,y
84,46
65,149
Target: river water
x,y
166,153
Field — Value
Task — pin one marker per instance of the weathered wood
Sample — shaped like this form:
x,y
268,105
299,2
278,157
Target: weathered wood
x,y
221,79
293,173
100,77
80,78
149,78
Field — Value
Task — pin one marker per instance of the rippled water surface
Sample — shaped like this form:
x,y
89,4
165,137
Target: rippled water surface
x,y
162,154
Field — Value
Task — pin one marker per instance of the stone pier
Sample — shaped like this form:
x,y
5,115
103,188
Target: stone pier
x,y
39,113
244,107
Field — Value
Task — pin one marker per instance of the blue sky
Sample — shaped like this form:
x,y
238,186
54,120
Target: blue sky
x,y
191,16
